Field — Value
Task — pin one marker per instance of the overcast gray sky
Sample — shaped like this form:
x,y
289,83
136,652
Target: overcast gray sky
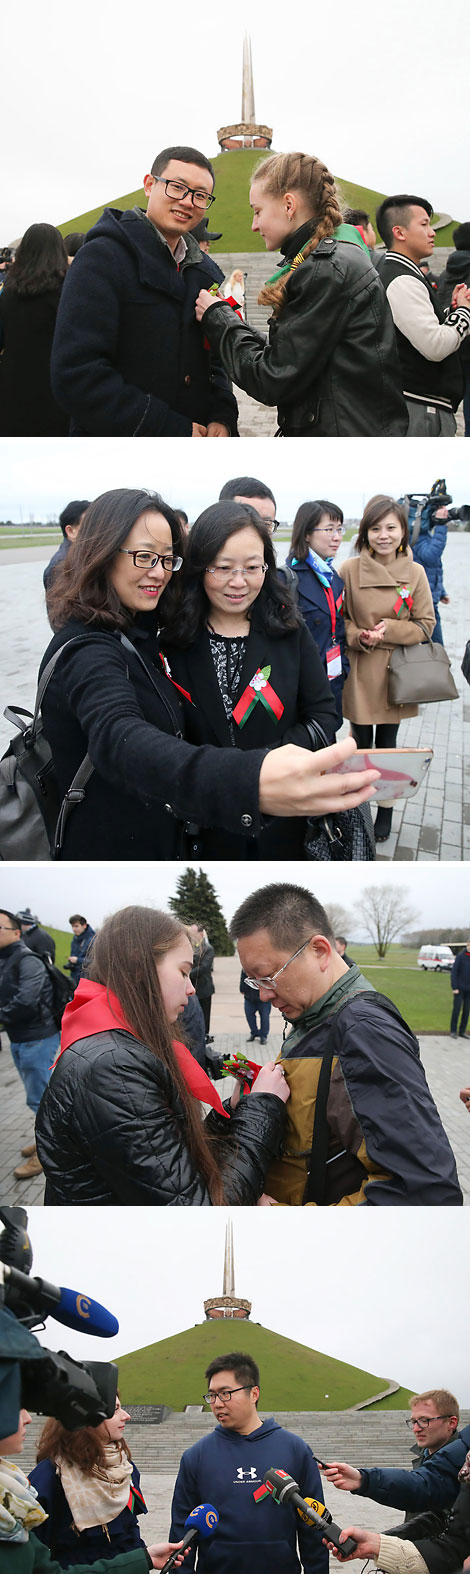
x,y
324,1278
38,478
439,894
92,91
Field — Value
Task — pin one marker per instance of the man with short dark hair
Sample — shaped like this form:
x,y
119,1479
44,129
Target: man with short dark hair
x,y
227,1467
362,1126
341,944
362,222
83,936
34,936
69,520
129,358
428,338
26,1013
246,489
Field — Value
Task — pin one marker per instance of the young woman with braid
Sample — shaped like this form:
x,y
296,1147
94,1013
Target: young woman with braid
x,y
330,362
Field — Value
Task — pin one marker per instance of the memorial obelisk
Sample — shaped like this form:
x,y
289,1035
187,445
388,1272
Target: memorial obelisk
x,y
227,1304
247,134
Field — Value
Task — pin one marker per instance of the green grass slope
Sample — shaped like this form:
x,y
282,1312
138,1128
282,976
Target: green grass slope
x,y
423,998
171,1372
231,212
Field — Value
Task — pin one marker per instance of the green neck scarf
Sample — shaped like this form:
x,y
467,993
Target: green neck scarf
x,y
350,983
345,232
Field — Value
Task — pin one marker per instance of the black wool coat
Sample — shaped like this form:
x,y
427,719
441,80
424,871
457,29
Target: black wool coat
x,y
111,1129
330,363
147,781
27,405
298,678
129,358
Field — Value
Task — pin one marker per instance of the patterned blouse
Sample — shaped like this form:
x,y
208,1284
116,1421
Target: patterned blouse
x,y
228,656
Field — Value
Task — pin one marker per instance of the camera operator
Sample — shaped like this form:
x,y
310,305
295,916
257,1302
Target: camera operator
x,y
428,534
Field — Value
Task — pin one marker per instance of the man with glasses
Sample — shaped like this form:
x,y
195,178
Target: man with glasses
x,y
246,489
26,1013
362,1127
129,358
439,1452
227,1468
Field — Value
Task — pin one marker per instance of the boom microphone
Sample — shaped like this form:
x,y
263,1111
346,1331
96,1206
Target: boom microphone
x,y
202,1521
42,1299
284,1489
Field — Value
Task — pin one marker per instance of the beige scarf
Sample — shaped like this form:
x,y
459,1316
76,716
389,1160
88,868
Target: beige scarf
x,y
20,1509
99,1498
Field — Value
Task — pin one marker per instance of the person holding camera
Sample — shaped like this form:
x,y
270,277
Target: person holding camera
x,y
21,1552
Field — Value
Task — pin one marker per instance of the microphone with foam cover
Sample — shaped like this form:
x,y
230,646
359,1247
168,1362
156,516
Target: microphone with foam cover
x,y
202,1521
284,1489
42,1300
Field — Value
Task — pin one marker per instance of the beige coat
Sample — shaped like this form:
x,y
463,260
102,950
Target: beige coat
x,y
371,590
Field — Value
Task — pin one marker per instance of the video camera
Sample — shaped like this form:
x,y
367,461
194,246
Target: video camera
x,y
77,1393
421,509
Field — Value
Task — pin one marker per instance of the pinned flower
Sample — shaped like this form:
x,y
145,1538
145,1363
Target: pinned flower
x,y
259,688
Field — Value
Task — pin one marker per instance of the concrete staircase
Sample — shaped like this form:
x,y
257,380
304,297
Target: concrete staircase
x,y
256,267
375,1438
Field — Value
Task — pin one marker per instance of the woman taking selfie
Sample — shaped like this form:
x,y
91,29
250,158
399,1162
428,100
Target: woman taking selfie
x,y
330,363
90,1490
385,594
115,704
121,1120
251,671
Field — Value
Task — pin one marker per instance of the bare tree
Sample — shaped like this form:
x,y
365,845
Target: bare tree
x,y
339,918
385,913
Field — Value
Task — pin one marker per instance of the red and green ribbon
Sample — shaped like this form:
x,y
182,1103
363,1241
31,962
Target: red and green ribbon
x,y
404,598
259,688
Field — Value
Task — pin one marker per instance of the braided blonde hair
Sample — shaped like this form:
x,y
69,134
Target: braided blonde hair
x,y
300,172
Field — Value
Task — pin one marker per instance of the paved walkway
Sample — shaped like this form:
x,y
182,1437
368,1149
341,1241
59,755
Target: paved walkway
x,y
434,824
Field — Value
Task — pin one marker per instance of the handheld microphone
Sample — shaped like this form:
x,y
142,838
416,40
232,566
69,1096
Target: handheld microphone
x,y
39,1299
284,1489
202,1521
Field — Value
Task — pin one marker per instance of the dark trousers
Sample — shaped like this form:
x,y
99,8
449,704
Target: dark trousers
x,y
385,735
437,635
462,1000
206,1010
252,1007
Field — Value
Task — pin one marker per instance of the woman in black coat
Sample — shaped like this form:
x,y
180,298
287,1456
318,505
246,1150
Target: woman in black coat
x,y
331,362
90,1489
115,703
246,661
28,310
121,1122
316,535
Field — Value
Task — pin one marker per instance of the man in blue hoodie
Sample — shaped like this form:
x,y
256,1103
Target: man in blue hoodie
x,y
227,1468
129,358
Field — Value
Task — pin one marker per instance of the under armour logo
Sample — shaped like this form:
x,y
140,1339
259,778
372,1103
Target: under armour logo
x,y
247,1475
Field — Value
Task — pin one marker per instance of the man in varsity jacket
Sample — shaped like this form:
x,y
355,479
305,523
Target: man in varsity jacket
x,y
428,338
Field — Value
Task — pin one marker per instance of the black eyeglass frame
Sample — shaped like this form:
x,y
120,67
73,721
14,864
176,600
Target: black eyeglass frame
x,y
156,557
186,191
210,1398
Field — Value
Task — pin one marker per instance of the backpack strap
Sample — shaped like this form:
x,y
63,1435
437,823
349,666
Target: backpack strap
x,y
316,1179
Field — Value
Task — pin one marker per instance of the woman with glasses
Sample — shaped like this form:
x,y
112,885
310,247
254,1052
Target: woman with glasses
x,y
316,535
123,1119
386,600
330,363
112,703
249,667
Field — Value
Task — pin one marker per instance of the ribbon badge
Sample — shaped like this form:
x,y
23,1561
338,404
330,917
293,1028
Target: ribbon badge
x,y
259,688
404,598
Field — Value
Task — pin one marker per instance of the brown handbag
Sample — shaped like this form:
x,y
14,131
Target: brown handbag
x,y
420,674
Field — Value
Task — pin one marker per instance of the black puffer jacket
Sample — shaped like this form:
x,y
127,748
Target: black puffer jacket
x,y
331,363
111,1129
25,995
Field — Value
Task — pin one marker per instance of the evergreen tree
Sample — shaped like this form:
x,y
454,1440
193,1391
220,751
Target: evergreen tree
x,y
196,902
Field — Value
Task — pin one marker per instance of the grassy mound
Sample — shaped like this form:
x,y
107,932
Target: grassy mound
x,y
231,212
171,1372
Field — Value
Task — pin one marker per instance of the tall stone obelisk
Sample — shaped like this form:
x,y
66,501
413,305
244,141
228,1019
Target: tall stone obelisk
x,y
247,134
227,1304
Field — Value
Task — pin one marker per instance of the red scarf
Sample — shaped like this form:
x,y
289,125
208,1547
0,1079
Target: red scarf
x,y
94,1009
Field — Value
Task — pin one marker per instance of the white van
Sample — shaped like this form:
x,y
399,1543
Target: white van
x,y
436,958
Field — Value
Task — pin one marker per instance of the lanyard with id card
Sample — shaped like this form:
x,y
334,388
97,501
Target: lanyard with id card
x,y
334,664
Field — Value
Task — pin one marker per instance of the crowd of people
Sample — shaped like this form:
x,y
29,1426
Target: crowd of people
x,y
131,329
196,686
81,1504
334,1121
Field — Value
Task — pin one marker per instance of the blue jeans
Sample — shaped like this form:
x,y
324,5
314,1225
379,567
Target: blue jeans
x,y
252,1007
437,630
34,1061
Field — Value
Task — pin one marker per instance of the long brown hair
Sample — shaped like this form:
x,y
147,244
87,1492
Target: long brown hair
x,y
84,1447
307,175
81,587
123,957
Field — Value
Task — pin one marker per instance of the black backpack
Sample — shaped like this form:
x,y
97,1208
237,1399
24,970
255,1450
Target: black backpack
x,y
62,990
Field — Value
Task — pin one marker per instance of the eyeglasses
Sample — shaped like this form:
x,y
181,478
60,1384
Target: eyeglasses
x,y
175,188
425,1420
329,530
221,576
143,559
225,1394
270,983
6,929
